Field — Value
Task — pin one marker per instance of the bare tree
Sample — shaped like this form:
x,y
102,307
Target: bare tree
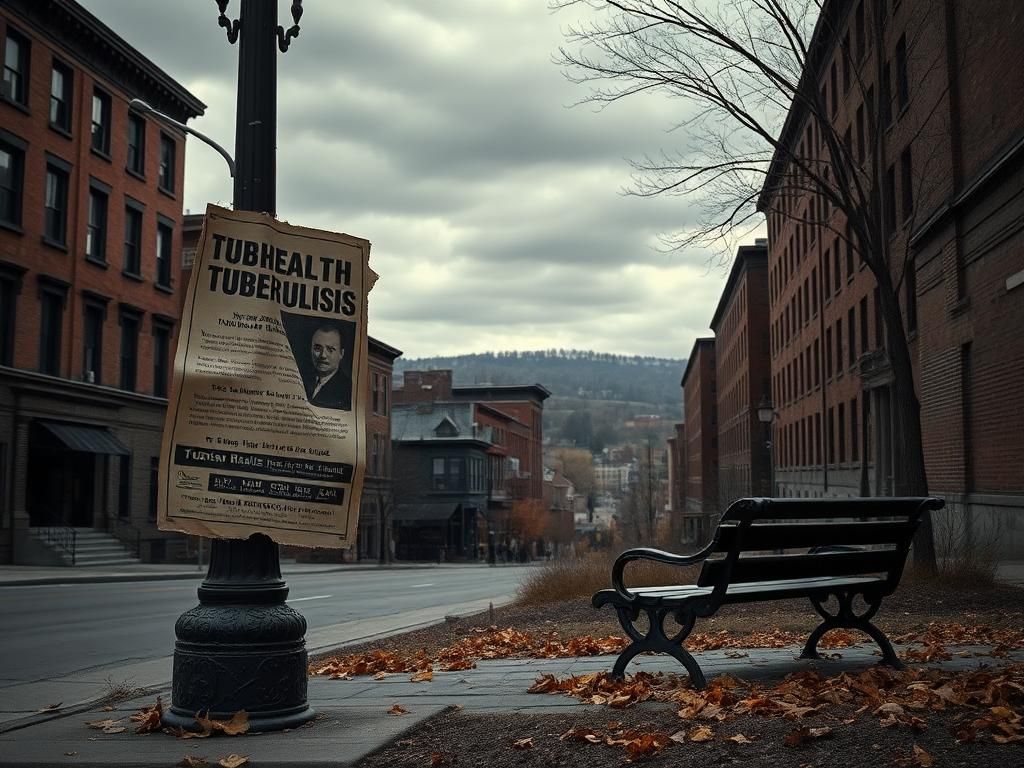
x,y
757,127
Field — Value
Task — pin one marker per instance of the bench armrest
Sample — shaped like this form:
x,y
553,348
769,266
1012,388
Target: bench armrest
x,y
658,556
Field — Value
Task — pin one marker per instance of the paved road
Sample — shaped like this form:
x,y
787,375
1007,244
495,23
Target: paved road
x,y
82,633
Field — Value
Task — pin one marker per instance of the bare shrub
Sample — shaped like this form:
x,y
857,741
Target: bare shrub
x,y
966,549
581,577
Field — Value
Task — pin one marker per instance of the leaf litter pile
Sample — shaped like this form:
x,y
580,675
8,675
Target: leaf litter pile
x,y
494,643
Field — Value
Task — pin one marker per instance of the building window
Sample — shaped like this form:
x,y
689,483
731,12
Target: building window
x,y
92,343
16,59
165,179
828,353
161,356
154,485
841,437
847,53
879,322
817,362
52,297
826,275
164,243
136,145
101,122
839,347
124,487
449,474
890,201
817,438
834,83
96,232
375,455
60,97
12,175
130,321
885,95
849,253
907,184
910,280
132,240
55,220
854,432
902,82
858,28
837,268
10,287
966,384
831,438
860,134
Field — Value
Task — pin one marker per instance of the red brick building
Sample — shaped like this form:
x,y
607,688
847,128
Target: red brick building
x,y
677,477
90,229
951,148
700,406
743,373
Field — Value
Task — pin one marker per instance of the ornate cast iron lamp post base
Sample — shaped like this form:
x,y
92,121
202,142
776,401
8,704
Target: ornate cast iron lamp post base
x,y
242,647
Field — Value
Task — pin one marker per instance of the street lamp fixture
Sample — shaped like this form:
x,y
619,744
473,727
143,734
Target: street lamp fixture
x,y
765,411
138,105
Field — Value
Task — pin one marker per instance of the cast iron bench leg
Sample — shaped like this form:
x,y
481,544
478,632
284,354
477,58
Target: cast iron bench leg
x,y
847,618
657,641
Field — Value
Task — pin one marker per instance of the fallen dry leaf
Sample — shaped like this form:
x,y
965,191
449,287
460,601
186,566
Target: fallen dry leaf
x,y
101,724
423,676
923,758
701,733
192,761
523,744
800,736
149,719
398,709
235,726
436,758
739,738
233,761
70,754
48,708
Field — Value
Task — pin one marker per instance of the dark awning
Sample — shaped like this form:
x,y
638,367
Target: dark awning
x,y
426,513
83,438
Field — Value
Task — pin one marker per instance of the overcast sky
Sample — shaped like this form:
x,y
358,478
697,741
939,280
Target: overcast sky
x,y
441,131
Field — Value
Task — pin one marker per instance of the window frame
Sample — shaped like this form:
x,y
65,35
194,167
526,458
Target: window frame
x,y
163,331
103,98
167,165
11,277
93,304
65,99
60,170
133,212
128,359
138,168
164,256
53,295
15,147
23,72
97,231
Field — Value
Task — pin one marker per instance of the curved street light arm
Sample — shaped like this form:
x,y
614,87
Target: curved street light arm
x,y
138,105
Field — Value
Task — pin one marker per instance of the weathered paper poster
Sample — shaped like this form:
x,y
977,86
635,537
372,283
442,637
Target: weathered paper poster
x,y
265,426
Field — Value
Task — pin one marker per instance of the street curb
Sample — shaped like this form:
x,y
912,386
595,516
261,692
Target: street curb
x,y
109,578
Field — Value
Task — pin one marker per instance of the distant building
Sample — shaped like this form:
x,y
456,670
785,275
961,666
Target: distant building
x,y
90,232
505,423
700,398
743,376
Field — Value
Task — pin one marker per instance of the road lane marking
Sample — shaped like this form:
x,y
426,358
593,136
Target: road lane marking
x,y
311,597
417,586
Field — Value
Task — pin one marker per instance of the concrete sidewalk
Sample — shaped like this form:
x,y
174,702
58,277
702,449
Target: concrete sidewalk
x,y
352,716
30,575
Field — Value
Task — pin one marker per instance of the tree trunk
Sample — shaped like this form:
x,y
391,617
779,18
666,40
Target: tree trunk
x,y
909,475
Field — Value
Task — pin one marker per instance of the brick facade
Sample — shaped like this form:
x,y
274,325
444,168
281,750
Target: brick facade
x,y
701,418
952,155
743,371
97,331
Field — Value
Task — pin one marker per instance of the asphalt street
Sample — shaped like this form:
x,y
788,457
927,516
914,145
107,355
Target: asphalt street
x,y
54,632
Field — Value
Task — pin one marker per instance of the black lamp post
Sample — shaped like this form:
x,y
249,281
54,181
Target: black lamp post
x,y
243,647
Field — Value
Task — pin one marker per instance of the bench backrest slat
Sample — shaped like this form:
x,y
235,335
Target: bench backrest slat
x,y
885,525
782,567
769,536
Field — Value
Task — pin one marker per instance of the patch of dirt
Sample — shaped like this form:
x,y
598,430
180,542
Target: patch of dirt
x,y
460,739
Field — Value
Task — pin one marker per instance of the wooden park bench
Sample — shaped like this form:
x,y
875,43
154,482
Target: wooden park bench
x,y
848,548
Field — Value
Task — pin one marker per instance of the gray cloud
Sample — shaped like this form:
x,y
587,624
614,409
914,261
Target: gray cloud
x,y
440,131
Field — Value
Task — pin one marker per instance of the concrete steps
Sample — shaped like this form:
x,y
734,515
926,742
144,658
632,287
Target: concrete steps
x,y
96,548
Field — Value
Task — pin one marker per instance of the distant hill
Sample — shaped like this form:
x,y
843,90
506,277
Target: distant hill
x,y
568,373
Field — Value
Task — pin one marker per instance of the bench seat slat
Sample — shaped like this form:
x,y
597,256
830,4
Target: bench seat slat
x,y
767,536
814,509
743,593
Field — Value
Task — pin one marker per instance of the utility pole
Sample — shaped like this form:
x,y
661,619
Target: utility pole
x,y
243,647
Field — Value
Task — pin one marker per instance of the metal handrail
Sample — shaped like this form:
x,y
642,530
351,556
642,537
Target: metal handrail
x,y
61,537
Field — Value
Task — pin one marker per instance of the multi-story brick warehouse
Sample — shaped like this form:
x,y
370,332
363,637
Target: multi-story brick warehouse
x,y
743,376
917,98
700,405
90,225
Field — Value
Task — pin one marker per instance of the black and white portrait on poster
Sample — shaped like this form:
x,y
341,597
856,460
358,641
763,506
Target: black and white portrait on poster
x,y
323,355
